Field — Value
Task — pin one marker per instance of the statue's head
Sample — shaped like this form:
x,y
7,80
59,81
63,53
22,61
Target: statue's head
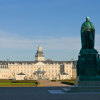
x,y
87,19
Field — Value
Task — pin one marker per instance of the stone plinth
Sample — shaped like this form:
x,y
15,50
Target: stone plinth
x,y
88,72
85,86
87,83
83,89
88,65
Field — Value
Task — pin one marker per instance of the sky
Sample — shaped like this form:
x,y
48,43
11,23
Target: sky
x,y
54,24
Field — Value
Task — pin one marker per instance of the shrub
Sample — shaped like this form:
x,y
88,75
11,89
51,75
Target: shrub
x,y
70,82
24,81
5,81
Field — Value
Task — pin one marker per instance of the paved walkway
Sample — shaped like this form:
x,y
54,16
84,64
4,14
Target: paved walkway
x,y
48,83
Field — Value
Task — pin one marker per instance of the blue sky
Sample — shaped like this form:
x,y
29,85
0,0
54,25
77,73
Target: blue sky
x,y
54,24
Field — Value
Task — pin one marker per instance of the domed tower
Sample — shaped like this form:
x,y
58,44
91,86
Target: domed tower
x,y
39,56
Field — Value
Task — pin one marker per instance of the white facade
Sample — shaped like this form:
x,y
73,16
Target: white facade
x,y
34,70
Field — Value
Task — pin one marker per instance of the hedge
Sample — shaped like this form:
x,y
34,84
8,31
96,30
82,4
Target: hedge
x,y
24,81
70,82
5,81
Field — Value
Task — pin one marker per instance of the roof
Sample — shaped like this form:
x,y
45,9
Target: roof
x,y
31,62
21,73
3,62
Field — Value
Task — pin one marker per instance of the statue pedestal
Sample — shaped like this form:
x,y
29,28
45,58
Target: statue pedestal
x,y
86,83
83,89
88,72
88,65
85,86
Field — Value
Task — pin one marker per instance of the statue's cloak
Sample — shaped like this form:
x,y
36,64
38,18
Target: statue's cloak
x,y
87,35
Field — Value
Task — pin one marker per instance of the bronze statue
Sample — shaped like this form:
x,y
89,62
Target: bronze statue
x,y
88,64
87,34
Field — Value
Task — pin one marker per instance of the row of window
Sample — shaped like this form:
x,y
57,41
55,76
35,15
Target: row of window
x,y
3,71
3,66
33,66
4,76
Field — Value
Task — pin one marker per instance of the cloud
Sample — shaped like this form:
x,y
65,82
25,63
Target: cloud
x,y
8,40
66,43
14,43
62,43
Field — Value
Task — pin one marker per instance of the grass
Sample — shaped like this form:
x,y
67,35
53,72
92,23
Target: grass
x,y
18,83
23,81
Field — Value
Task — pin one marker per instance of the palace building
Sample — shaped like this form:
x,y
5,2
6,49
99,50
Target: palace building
x,y
38,69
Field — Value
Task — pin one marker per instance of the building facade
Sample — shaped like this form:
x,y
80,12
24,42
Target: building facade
x,y
38,69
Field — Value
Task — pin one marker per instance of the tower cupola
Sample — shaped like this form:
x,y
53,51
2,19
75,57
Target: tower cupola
x,y
39,56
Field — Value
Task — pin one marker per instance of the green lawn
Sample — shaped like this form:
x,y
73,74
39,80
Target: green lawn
x,y
18,83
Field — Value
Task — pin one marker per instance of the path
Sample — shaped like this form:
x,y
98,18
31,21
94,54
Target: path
x,y
48,83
